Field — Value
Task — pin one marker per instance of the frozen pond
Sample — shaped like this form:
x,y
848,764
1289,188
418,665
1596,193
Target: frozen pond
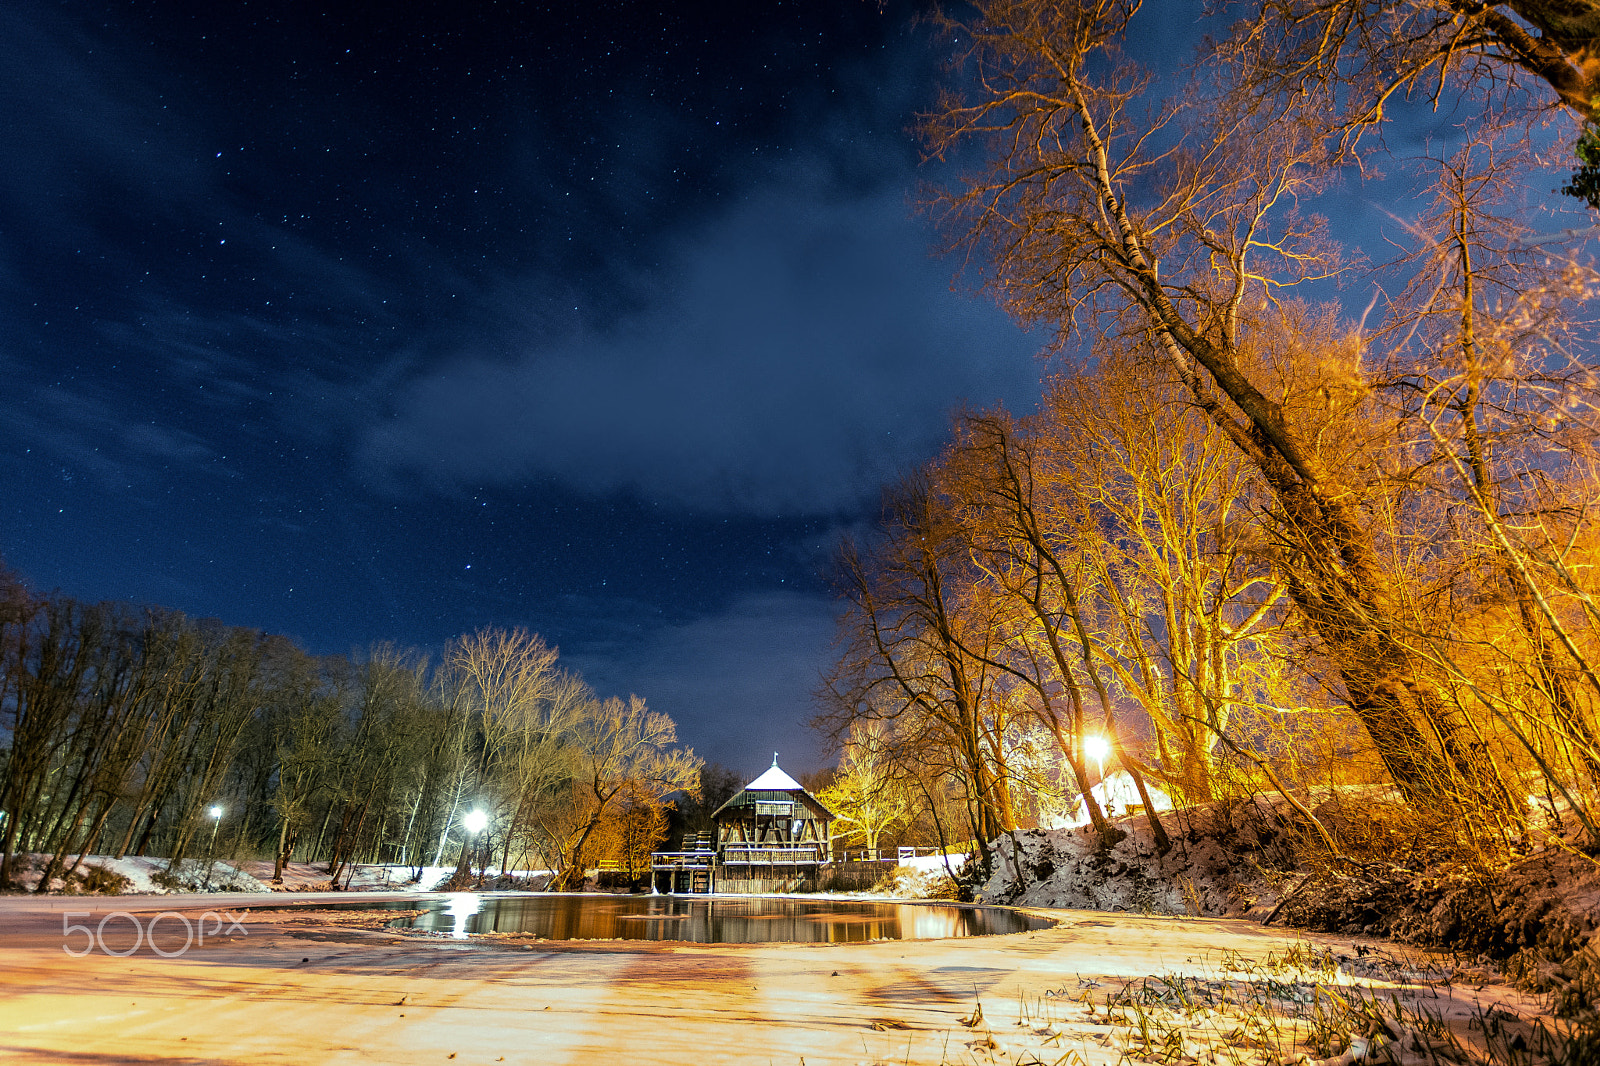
x,y
714,920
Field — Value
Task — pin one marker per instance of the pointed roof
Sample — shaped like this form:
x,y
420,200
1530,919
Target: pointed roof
x,y
774,779
770,787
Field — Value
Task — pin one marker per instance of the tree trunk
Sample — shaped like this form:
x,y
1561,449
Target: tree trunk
x,y
280,854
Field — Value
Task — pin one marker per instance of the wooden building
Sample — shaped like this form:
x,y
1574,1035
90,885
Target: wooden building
x,y
773,836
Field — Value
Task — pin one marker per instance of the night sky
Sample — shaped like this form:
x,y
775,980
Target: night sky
x,y
386,322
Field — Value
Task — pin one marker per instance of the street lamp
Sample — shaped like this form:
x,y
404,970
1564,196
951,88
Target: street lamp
x,y
1097,747
211,852
473,822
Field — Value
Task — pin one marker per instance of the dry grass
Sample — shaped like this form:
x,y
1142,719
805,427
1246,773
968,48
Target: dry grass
x,y
1304,1006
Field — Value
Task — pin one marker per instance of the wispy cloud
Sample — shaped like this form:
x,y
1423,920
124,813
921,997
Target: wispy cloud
x,y
794,354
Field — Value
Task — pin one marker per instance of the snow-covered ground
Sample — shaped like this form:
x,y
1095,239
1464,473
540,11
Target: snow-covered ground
x,y
934,863
1258,859
304,984
313,877
145,875
299,985
1210,870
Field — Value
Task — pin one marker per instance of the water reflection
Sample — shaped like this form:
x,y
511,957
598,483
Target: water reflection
x,y
716,920
460,907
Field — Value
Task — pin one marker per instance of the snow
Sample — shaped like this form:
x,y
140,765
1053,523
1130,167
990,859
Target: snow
x,y
137,869
239,876
300,985
1116,795
337,987
313,877
140,871
934,863
1212,869
774,780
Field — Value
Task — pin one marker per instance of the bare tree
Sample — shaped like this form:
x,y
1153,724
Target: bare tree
x,y
1167,513
1038,579
51,660
907,638
622,747
1357,56
527,712
1490,371
305,723
868,794
1180,226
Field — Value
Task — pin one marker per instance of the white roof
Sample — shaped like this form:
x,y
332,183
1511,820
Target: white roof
x,y
774,779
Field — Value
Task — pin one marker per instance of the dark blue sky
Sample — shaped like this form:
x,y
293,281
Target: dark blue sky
x,y
373,322
386,322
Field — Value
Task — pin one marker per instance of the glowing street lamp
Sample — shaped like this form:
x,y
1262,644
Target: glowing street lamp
x,y
1097,747
211,852
473,822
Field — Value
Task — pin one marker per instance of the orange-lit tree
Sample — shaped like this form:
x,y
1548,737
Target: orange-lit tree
x,y
620,749
1176,226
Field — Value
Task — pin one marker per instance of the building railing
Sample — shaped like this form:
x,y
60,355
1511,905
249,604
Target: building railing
x,y
761,855
681,860
885,854
777,855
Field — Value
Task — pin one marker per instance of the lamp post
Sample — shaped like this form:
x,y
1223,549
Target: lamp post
x,y
473,822
211,851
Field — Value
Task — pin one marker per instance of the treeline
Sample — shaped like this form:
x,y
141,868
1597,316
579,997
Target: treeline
x,y
1250,541
125,728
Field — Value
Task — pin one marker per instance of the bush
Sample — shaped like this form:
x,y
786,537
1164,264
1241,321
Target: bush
x,y
190,876
97,880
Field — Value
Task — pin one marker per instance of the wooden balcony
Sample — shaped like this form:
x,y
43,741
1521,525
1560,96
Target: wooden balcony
x,y
681,860
768,855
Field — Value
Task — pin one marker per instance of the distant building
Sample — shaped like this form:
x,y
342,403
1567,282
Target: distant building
x,y
772,836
